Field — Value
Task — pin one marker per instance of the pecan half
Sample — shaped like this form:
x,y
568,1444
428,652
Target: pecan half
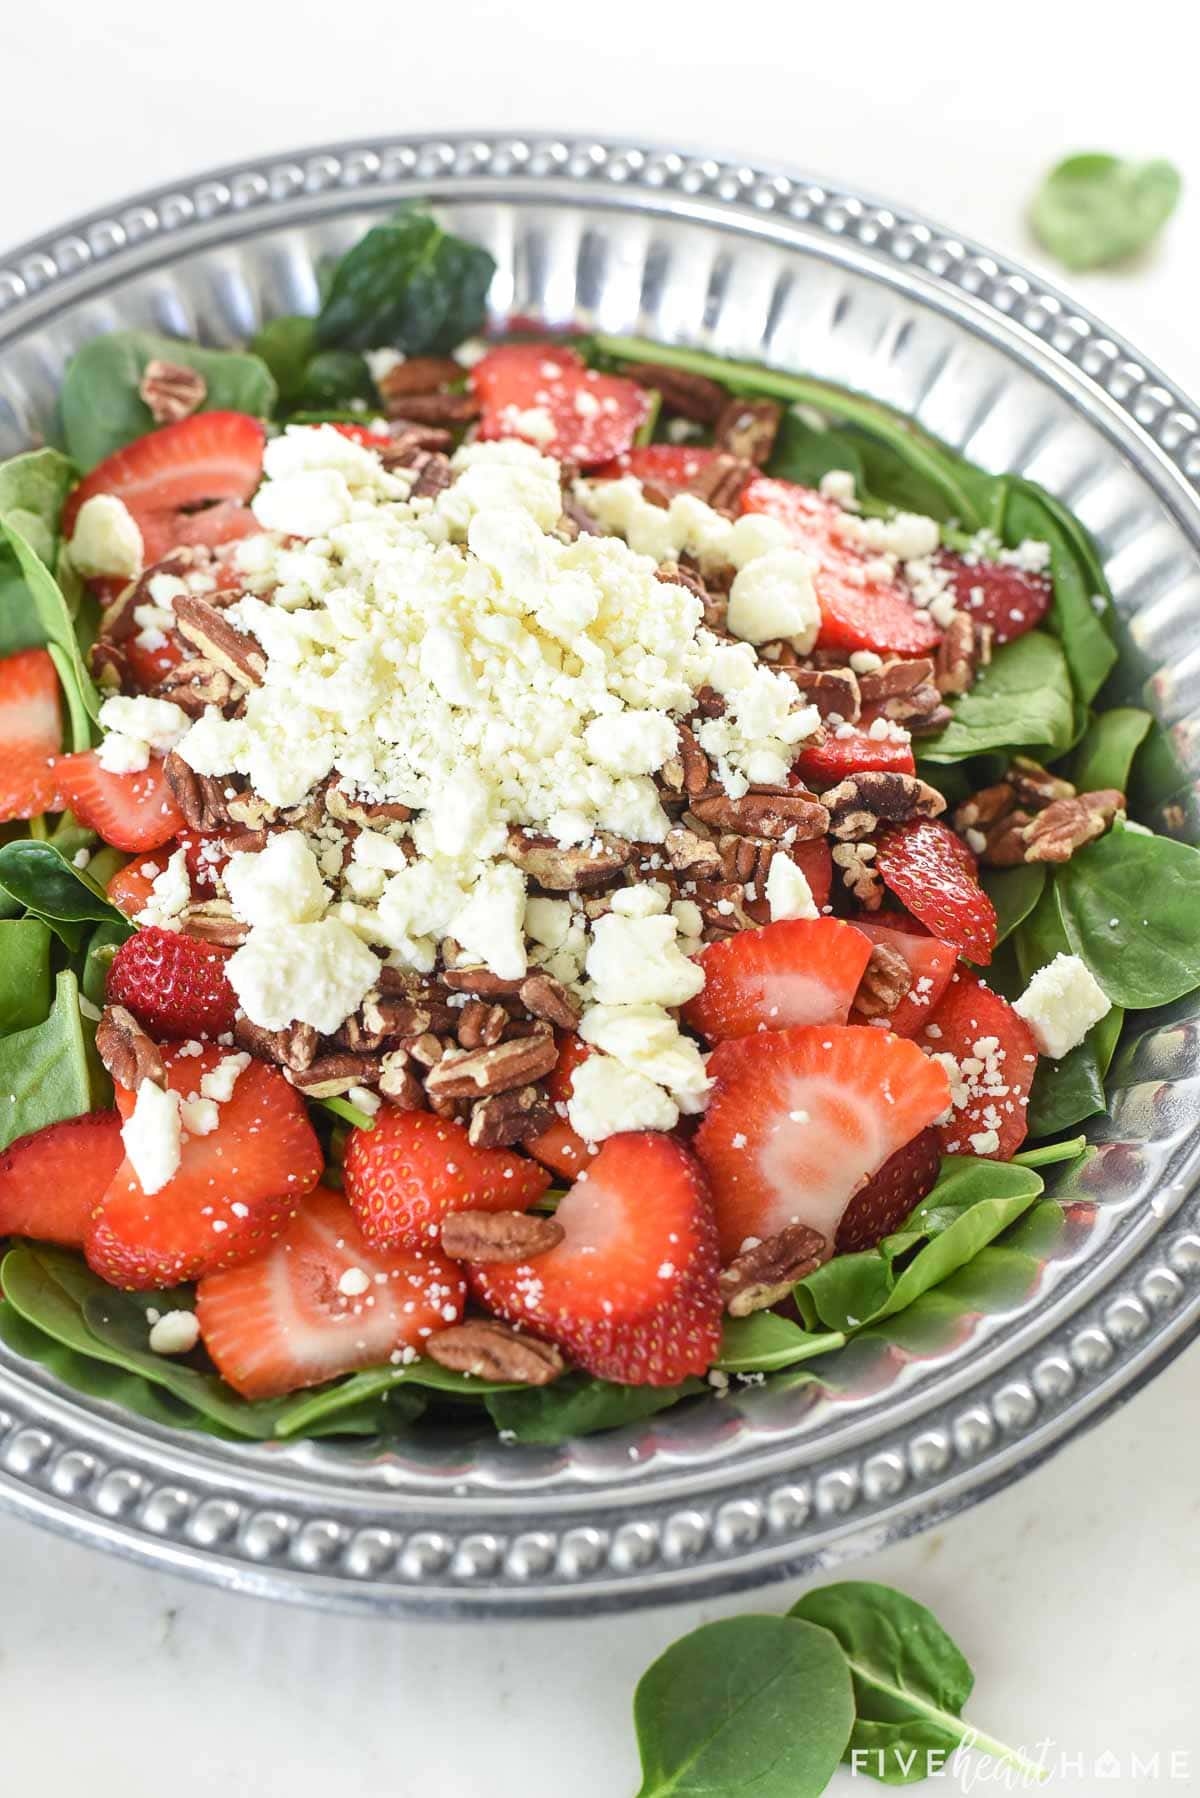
x,y
1066,825
194,686
480,1025
435,408
207,630
494,1351
548,998
985,808
1034,785
861,803
480,982
418,374
561,870
398,1084
509,1117
748,428
410,442
692,853
692,396
834,691
171,390
766,815
473,1074
212,921
763,1275
966,646
498,1235
126,1051
720,483
200,797
1004,843
294,1048
886,979
329,1076
895,678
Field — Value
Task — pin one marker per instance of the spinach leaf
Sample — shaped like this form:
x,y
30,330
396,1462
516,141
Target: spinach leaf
x,y
1022,699
804,454
1073,618
1104,757
578,1405
910,1680
102,409
57,627
1093,209
751,1704
39,877
24,974
103,944
32,490
763,1341
1014,892
44,1072
1041,936
1067,1091
310,379
1130,907
407,284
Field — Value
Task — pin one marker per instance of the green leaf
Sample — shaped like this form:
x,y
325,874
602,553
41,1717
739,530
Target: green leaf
x,y
910,1681
1104,756
32,490
44,1073
102,409
54,618
1093,209
24,974
578,1405
407,284
40,877
764,1341
1014,892
310,379
758,1705
805,455
1131,908
1050,1153
1021,700
1073,616
103,944
1041,936
1067,1091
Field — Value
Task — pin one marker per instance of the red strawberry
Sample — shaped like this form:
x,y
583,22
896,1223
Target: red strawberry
x,y
883,1202
299,1314
234,1189
852,750
129,888
174,985
131,811
815,862
558,1146
186,483
52,1180
996,1060
631,1292
363,434
933,873
1010,599
206,855
930,963
148,666
799,1118
594,416
804,971
30,733
668,466
405,1173
858,609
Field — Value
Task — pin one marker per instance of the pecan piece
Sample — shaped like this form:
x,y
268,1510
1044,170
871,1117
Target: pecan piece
x,y
204,627
896,677
498,1235
477,1073
965,648
747,429
126,1051
490,1350
766,815
697,774
720,483
763,1275
200,797
294,1047
561,870
435,408
480,982
886,979
1066,825
692,853
834,691
1034,785
171,390
398,1084
509,1117
410,442
194,686
212,921
1004,844
548,998
329,1076
109,666
862,878
861,803
480,1025
418,374
692,396
985,808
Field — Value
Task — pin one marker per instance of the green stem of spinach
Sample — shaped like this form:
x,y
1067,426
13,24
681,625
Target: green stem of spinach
x,y
966,1733
645,431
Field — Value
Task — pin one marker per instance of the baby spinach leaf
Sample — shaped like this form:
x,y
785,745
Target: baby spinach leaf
x,y
804,454
24,974
40,877
407,284
1104,756
44,1073
32,490
1073,618
1067,1091
1093,209
578,1405
103,944
102,409
1041,936
910,1680
750,1704
1021,700
1014,892
764,1341
57,626
1130,907
310,379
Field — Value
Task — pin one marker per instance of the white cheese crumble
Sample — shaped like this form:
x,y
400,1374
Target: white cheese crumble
x,y
607,1097
174,1333
307,973
1061,1003
170,892
280,884
772,597
153,1136
106,541
787,890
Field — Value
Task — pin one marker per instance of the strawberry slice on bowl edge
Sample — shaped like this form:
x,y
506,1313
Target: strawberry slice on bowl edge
x,y
546,395
52,1180
175,985
934,874
795,972
992,1060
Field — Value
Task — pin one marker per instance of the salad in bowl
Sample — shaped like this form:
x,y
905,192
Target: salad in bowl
x,y
541,877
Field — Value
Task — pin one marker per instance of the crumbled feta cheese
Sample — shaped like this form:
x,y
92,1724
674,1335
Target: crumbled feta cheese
x,y
787,890
174,1333
637,961
647,1040
152,1135
169,893
607,1098
119,754
106,541
280,884
774,596
220,1080
200,1117
1061,1003
838,484
302,973
354,1282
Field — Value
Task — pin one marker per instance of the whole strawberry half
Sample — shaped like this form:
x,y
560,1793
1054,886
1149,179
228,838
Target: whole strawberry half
x,y
174,985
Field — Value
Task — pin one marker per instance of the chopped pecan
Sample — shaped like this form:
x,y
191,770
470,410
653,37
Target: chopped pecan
x,y
411,442
367,812
862,802
985,808
294,1047
480,1025
834,691
435,408
126,1051
477,1073
765,1274
721,482
1004,843
212,921
171,390
432,474
398,1084
109,665
766,814
386,1020
1034,785
747,860
896,677
747,429
480,982
690,852
509,1117
329,1076
697,774
722,906
862,878
561,870
886,979
418,374
207,630
498,1235
692,396
194,686
426,1049
200,797
548,998
576,520
966,646
490,1350
1066,825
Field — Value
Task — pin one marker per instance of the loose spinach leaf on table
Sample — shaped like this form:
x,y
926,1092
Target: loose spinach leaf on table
x,y
40,877
752,1704
578,1405
58,632
24,974
1021,700
1073,617
1130,907
102,409
45,1075
1094,209
407,284
1104,755
310,379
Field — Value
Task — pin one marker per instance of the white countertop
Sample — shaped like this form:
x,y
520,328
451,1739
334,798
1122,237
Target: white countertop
x,y
1067,1591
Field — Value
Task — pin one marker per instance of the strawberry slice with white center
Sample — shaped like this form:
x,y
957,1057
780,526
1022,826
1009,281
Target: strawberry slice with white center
x,y
802,971
133,812
30,733
631,1292
545,394
991,1058
799,1118
930,965
321,1302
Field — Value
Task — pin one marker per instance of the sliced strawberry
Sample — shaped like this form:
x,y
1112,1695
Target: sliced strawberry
x,y
930,964
815,861
631,1292
852,750
934,874
52,1180
186,483
206,855
148,666
995,1060
234,1190
670,467
804,971
859,610
799,1118
405,1173
130,887
174,985
299,1313
30,734
363,434
1010,599
130,811
558,1146
883,1202
594,416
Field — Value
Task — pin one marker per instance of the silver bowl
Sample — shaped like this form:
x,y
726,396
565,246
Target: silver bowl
x,y
726,1492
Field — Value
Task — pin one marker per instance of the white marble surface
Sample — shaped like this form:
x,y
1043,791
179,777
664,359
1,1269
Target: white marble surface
x,y
1070,1591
